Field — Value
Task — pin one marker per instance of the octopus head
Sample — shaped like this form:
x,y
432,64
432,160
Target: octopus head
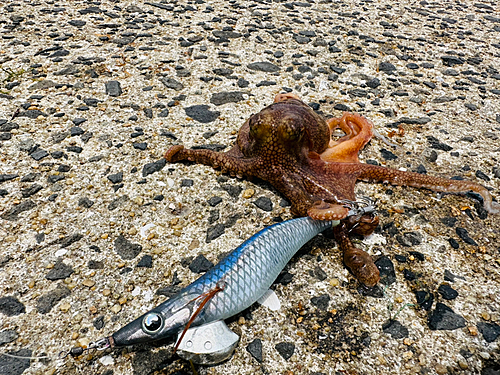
x,y
287,128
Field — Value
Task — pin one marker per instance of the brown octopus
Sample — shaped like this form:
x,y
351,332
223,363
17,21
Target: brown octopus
x,y
291,146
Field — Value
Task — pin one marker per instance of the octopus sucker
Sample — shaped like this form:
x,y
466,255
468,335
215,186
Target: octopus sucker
x,y
290,146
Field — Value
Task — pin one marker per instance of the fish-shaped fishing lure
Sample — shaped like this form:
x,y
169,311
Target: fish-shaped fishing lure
x,y
235,283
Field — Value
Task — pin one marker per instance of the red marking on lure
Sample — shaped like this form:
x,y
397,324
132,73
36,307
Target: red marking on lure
x,y
206,297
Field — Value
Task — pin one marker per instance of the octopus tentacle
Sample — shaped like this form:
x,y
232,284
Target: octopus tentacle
x,y
395,177
362,225
214,159
358,261
322,210
358,133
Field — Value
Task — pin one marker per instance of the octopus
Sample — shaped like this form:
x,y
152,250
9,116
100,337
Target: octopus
x,y
291,146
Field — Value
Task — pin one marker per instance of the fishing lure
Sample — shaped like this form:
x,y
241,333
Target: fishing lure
x,y
235,283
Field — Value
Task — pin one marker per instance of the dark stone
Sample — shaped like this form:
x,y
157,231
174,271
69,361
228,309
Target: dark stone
x,y
8,177
387,155
264,203
60,271
452,60
284,278
490,331
151,168
77,23
214,201
453,243
424,299
255,349
386,67
443,318
395,329
417,255
200,264
33,189
285,349
386,269
232,190
75,149
201,113
221,98
15,365
95,265
319,273
242,83
187,182
116,178
126,249
146,261
12,214
39,154
7,336
76,130
447,292
266,83
341,107
482,175
172,83
321,302
263,66
214,232
213,147
148,112
85,202
373,83
46,302
146,362
113,88
449,221
437,144
410,239
409,275
164,113
98,322
11,306
464,235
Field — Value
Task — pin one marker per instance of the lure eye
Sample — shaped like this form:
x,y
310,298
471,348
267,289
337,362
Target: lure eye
x,y
152,323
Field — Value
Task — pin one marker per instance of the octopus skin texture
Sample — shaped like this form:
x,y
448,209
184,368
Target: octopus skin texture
x,y
290,146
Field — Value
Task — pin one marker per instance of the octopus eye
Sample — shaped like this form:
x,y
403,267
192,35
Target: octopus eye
x,y
151,323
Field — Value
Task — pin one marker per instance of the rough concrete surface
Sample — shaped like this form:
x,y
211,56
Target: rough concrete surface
x,y
94,222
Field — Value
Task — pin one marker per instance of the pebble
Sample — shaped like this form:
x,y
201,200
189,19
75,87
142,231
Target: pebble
x,y
7,336
116,308
490,331
321,302
264,203
200,264
225,97
46,302
151,168
113,88
443,318
201,113
464,235
263,66
386,268
285,349
255,349
424,299
447,292
60,271
215,231
11,306
126,249
146,261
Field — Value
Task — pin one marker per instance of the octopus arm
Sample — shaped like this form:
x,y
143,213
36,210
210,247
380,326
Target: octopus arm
x,y
225,161
395,177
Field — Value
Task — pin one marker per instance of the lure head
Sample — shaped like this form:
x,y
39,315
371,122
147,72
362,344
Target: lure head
x,y
159,323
